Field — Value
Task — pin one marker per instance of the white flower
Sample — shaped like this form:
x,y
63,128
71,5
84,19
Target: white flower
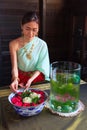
x,y
33,95
27,100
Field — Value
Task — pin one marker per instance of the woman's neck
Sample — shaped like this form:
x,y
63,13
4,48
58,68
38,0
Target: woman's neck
x,y
26,40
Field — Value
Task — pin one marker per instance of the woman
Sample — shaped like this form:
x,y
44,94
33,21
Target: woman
x,y
29,55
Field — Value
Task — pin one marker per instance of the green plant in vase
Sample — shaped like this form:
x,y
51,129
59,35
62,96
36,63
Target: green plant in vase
x,y
64,93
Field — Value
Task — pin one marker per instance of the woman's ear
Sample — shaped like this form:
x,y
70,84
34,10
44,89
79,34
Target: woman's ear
x,y
37,32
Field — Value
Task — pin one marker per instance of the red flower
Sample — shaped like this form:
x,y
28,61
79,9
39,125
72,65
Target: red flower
x,y
19,93
26,104
41,100
33,104
18,103
17,99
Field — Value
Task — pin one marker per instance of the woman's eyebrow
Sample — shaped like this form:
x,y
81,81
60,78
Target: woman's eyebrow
x,y
31,28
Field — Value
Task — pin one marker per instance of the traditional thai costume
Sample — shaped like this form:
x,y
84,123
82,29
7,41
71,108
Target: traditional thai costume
x,y
33,56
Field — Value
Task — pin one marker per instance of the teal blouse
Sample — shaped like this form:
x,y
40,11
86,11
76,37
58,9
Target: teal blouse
x,y
39,60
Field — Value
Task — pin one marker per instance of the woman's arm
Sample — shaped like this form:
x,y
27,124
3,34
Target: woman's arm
x,y
13,54
35,74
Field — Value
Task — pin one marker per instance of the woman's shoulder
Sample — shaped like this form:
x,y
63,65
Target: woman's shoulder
x,y
15,43
41,41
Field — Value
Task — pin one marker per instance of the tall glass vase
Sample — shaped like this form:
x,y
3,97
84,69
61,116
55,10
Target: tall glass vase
x,y
65,86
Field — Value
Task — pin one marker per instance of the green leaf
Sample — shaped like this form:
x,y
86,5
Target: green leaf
x,y
35,100
25,94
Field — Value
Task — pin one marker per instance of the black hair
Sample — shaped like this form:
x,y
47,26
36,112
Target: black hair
x,y
29,17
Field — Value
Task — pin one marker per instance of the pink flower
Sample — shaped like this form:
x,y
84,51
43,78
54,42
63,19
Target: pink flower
x,y
17,99
18,103
26,104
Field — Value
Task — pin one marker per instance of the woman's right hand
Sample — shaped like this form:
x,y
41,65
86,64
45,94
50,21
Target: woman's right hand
x,y
14,85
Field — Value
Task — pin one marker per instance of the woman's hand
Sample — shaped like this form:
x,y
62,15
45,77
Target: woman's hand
x,y
14,85
28,84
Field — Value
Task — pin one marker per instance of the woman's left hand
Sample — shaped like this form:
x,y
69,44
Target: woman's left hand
x,y
22,85
28,84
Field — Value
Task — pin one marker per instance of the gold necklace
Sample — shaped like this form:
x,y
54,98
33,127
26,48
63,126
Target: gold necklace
x,y
29,54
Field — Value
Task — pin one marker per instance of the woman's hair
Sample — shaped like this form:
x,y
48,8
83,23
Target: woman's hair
x,y
29,17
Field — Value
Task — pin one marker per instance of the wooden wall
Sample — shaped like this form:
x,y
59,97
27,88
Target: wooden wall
x,y
54,29
77,36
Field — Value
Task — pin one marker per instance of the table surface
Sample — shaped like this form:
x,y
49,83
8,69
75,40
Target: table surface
x,y
10,120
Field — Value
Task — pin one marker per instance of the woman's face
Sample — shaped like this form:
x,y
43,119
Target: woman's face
x,y
30,30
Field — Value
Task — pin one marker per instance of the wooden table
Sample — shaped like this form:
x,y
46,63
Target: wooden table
x,y
10,120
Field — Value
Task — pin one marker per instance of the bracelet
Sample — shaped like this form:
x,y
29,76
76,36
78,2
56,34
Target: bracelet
x,y
16,79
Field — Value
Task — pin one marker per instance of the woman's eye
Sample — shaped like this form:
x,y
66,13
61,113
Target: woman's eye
x,y
28,29
34,30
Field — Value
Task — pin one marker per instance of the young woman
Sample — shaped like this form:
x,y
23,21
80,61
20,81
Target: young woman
x,y
29,55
